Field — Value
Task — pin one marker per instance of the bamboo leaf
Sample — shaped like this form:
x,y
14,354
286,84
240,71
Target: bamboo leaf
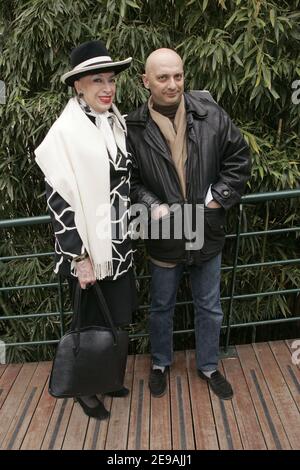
x,y
122,8
132,4
267,76
238,60
231,19
254,93
204,5
274,93
272,17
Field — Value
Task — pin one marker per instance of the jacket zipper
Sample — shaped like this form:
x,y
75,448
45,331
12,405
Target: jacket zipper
x,y
188,256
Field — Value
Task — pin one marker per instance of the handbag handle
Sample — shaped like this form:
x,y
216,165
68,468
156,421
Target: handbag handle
x,y
76,324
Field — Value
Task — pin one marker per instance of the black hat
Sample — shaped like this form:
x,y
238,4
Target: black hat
x,y
92,56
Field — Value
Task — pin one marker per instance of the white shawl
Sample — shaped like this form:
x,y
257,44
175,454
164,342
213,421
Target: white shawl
x,y
74,159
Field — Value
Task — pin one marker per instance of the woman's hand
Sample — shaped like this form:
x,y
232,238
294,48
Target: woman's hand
x,y
85,273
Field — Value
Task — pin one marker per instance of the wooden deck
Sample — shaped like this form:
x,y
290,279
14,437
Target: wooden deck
x,y
264,413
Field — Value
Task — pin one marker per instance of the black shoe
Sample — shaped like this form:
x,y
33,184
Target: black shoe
x,y
158,382
99,411
219,385
123,392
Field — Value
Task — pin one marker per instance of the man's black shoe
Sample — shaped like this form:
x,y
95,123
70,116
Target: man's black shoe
x,y
219,385
158,382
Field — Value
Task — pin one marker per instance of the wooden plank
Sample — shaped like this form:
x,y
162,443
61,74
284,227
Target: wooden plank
x,y
160,421
55,434
139,426
227,429
181,414
20,423
117,433
203,418
248,424
15,397
76,430
40,421
97,430
266,371
290,371
268,417
7,380
281,395
2,368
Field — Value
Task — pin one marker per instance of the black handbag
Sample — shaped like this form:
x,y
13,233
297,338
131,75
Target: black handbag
x,y
89,360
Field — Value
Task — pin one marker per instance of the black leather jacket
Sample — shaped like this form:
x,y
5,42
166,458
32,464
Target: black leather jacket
x,y
217,156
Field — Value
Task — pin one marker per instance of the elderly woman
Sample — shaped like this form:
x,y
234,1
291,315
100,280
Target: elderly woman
x,y
87,172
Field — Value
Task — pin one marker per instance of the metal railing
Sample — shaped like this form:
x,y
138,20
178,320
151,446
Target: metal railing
x,y
228,325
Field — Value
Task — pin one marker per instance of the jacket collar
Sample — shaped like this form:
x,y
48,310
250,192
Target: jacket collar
x,y
152,134
194,106
155,139
195,109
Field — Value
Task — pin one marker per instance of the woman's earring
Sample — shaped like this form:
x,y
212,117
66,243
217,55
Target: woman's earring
x,y
80,94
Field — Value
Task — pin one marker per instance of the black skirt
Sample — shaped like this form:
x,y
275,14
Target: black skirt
x,y
120,296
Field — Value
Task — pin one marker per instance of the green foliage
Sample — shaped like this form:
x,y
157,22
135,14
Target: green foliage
x,y
245,52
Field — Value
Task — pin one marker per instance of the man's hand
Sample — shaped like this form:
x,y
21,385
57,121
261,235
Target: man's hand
x,y
160,211
214,204
85,273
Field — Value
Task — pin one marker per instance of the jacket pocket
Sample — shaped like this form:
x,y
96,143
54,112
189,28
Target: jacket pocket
x,y
166,236
214,230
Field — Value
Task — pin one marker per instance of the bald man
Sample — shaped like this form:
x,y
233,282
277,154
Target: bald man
x,y
187,154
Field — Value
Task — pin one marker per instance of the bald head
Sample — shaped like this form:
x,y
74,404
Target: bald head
x,y
164,77
161,57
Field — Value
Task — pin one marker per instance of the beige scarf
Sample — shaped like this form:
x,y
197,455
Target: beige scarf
x,y
175,137
74,159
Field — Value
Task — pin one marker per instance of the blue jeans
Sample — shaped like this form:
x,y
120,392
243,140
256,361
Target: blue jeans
x,y
208,315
